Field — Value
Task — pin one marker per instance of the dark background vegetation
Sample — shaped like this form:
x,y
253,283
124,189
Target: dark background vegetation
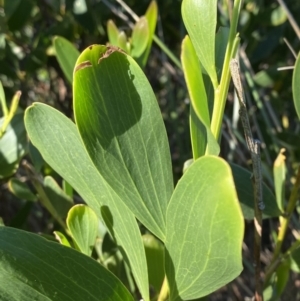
x,y
28,64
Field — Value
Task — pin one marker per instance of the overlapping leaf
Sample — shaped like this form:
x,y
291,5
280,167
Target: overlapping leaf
x,y
196,88
121,126
200,20
58,140
33,268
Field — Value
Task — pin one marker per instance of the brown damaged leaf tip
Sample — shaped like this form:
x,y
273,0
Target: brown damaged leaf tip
x,y
83,65
109,51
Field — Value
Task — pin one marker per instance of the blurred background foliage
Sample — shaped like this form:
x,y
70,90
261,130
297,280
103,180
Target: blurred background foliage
x,y
28,64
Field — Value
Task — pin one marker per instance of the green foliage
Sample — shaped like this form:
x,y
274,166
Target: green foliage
x,y
21,190
63,150
66,55
296,85
13,145
145,186
123,155
243,183
279,171
50,271
83,225
139,44
155,254
200,20
196,88
203,250
60,201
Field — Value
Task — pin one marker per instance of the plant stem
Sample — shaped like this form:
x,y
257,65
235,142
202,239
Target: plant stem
x,y
272,267
164,291
257,220
222,89
284,222
254,148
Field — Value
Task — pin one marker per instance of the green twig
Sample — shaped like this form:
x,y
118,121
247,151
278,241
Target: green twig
x,y
272,267
222,90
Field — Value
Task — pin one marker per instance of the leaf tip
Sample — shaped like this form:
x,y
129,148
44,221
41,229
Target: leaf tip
x,y
109,50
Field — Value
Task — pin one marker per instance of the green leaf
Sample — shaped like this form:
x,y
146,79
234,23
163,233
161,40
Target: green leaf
x,y
68,189
151,16
200,20
296,85
3,101
198,135
244,186
36,157
274,290
80,7
21,190
18,13
66,55
33,268
140,37
62,149
295,259
122,41
155,261
21,217
83,224
279,171
222,37
196,88
197,129
61,202
205,229
278,16
61,239
13,145
10,7
112,32
122,128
